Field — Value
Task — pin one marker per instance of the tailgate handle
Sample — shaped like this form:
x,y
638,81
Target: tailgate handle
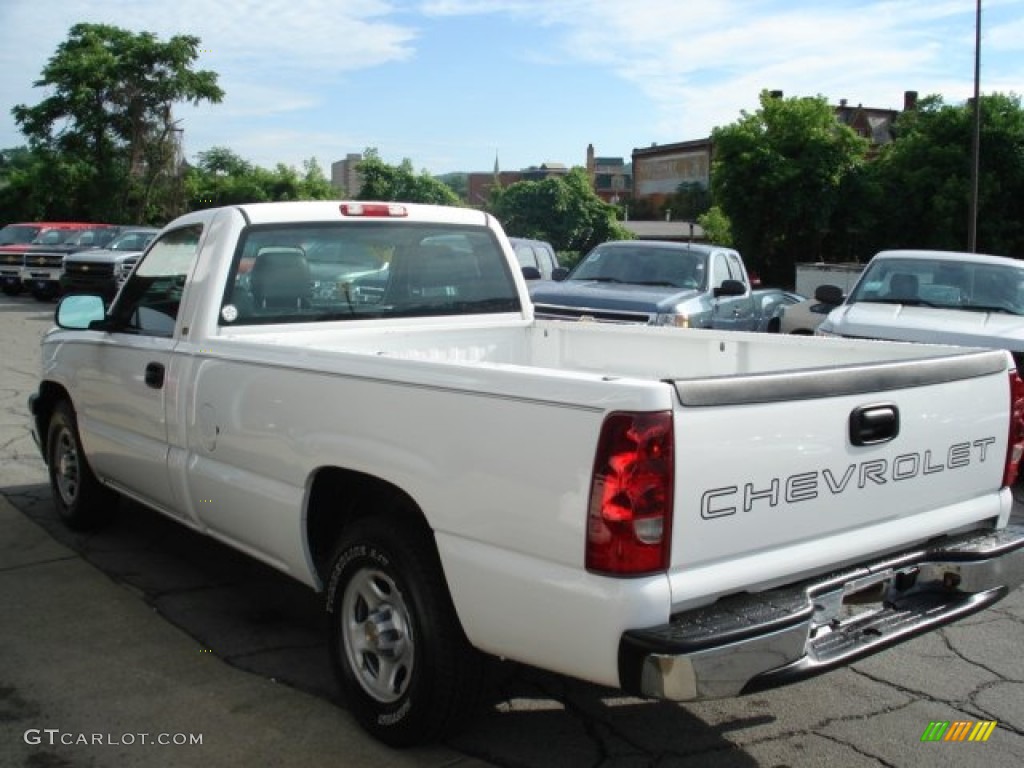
x,y
874,424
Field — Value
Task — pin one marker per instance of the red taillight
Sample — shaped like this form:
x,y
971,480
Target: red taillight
x,y
373,209
629,522
1015,443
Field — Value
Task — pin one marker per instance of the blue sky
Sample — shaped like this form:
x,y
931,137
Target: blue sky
x,y
449,84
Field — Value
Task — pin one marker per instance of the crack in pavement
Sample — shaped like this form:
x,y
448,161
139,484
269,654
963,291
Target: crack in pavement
x,y
1000,677
235,657
35,563
967,706
859,750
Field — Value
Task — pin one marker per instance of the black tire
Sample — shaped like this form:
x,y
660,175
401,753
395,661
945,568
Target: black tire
x,y
11,290
47,294
82,503
400,656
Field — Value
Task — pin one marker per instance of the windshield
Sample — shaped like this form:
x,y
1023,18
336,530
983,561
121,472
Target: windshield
x,y
644,265
131,241
50,237
18,234
943,283
307,273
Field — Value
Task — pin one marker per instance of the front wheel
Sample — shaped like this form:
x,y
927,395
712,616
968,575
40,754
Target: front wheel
x,y
44,294
81,500
399,653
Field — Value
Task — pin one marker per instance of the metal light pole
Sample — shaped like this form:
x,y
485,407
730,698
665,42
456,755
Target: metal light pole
x,y
972,223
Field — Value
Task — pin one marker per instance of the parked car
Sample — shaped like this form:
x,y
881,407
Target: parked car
x,y
104,270
657,282
536,258
804,317
43,260
939,297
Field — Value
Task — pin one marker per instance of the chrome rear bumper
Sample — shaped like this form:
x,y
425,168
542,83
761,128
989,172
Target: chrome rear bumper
x,y
752,642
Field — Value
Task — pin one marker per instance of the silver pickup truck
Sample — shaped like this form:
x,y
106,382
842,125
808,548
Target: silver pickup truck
x,y
682,285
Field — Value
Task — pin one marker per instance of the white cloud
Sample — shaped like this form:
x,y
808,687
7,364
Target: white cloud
x,y
702,64
285,64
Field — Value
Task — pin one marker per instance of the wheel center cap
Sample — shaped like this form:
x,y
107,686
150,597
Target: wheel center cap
x,y
384,632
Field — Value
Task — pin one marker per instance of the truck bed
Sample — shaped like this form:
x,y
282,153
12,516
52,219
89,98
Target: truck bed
x,y
814,502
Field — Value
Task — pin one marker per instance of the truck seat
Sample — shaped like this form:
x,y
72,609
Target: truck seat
x,y
903,286
280,279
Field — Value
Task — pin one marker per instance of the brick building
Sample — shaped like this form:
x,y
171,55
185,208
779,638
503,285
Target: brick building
x,y
478,185
611,177
344,176
658,170
654,173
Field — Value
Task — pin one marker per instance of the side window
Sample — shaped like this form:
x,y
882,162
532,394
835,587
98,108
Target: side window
x,y
735,269
149,302
721,270
545,259
526,256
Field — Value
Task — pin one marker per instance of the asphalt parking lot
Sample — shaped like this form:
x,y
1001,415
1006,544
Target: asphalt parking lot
x,y
147,633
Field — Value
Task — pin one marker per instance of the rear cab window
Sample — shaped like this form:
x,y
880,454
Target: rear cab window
x,y
298,273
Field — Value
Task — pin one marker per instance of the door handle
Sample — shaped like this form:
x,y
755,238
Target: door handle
x,y
154,375
874,424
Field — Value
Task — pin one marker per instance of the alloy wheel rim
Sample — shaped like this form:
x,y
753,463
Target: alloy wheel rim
x,y
378,640
67,469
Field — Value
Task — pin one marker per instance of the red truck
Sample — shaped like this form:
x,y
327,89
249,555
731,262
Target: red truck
x,y
17,240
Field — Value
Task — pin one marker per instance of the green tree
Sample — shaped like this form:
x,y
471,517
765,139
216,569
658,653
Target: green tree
x,y
459,183
221,177
778,174
17,165
924,178
716,225
107,125
564,210
315,184
400,183
44,184
691,200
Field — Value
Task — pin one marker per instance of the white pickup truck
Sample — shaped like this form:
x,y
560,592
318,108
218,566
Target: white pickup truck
x,y
358,394
934,297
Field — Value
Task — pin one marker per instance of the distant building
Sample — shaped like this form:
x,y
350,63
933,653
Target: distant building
x,y
345,177
658,171
479,185
610,177
875,125
682,231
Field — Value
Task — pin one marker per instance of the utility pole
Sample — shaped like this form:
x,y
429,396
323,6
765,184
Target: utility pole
x,y
972,223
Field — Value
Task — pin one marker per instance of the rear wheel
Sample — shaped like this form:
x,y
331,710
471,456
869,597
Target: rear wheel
x,y
399,653
81,501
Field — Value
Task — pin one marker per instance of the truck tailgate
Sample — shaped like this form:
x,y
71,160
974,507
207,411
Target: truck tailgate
x,y
781,475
